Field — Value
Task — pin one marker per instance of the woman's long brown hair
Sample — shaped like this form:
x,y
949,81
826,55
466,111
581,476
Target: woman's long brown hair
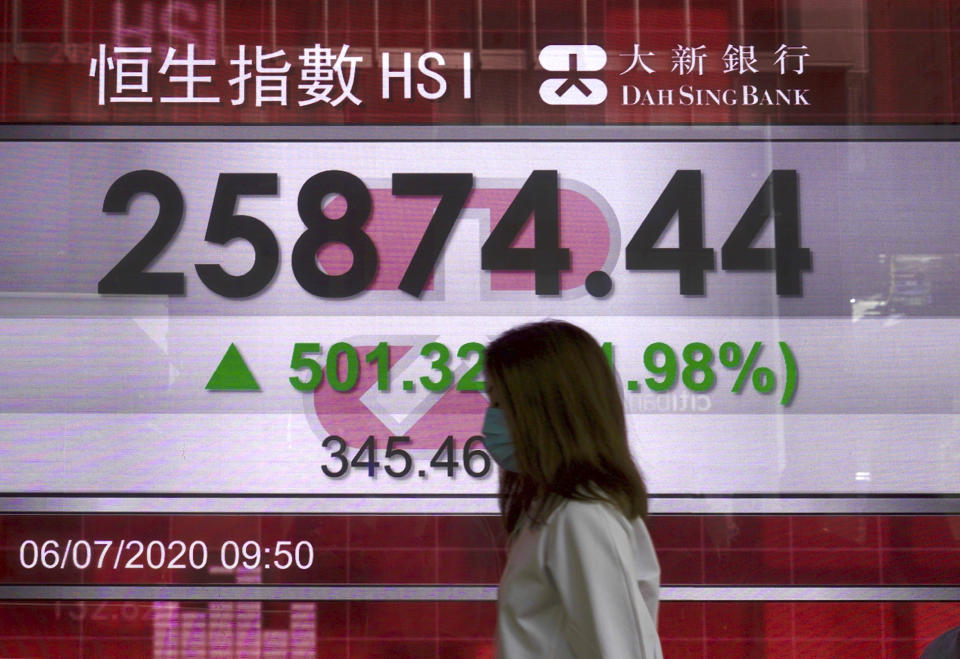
x,y
565,415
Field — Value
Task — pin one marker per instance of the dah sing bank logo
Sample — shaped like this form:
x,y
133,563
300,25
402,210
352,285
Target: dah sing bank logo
x,y
576,76
580,84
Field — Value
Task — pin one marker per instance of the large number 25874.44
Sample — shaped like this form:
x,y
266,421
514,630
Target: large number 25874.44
x,y
537,199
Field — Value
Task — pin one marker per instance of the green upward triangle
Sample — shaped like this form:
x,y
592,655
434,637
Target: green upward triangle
x,y
232,374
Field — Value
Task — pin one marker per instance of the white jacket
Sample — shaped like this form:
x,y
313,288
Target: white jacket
x,y
584,584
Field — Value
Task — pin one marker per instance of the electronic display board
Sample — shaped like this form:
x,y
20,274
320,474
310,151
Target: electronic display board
x,y
251,254
758,318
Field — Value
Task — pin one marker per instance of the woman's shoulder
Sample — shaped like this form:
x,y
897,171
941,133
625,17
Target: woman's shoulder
x,y
578,507
600,528
590,516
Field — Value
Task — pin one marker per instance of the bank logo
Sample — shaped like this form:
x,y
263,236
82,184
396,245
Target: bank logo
x,y
580,85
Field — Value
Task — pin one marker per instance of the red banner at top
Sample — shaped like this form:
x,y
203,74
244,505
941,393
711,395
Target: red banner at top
x,y
477,62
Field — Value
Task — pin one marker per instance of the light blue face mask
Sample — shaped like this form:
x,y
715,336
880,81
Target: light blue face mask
x,y
497,439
